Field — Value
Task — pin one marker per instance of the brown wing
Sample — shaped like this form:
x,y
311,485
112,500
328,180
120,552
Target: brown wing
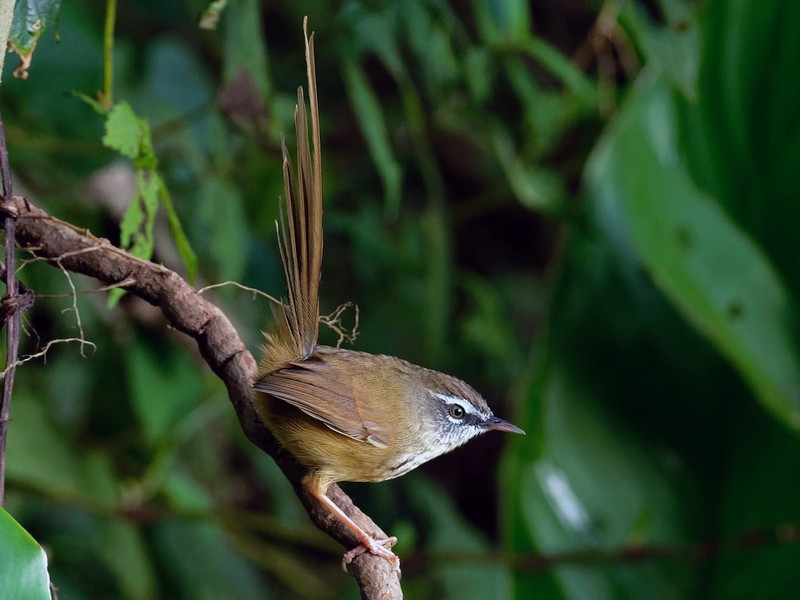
x,y
324,393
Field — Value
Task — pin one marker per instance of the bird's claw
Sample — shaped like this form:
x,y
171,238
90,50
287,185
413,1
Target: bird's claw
x,y
380,548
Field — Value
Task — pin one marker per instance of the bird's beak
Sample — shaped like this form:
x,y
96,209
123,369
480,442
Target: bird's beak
x,y
497,424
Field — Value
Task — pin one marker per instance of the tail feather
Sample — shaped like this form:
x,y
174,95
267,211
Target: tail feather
x,y
294,335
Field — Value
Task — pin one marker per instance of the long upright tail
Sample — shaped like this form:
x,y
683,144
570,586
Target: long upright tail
x,y
294,335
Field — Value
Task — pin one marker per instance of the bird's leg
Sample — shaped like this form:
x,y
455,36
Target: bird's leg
x,y
368,543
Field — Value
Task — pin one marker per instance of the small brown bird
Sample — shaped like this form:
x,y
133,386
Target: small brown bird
x,y
346,415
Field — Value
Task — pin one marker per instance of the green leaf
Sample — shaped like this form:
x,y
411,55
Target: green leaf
x,y
98,107
486,325
373,127
184,247
130,136
741,132
211,14
197,557
130,560
502,21
536,188
31,19
138,222
447,532
375,32
38,456
137,231
708,267
560,66
754,493
584,482
674,48
220,206
125,131
23,563
438,307
244,45
431,41
547,112
132,220
164,386
478,73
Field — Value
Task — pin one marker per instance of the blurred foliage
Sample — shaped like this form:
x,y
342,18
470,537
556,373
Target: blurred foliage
x,y
586,209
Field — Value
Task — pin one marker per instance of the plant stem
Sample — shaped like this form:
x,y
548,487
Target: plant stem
x,y
13,322
108,54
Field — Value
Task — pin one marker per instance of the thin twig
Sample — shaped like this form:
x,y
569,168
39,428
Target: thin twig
x,y
74,307
55,259
122,284
692,552
242,287
334,321
43,352
605,37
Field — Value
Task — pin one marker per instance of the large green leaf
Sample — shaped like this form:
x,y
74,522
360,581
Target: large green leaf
x,y
593,487
742,135
604,465
714,273
23,563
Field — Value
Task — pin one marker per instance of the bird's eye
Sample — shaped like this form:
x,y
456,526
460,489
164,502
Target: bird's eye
x,y
456,411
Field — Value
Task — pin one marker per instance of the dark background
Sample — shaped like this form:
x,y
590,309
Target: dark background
x,y
587,210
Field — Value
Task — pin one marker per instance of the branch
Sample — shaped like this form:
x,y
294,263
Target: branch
x,y
220,346
12,306
633,553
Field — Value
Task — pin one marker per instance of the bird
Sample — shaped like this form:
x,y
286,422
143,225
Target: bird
x,y
346,415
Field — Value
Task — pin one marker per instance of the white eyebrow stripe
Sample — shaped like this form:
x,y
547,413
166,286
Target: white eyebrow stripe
x,y
463,402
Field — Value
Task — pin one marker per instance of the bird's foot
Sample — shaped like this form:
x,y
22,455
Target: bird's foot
x,y
380,548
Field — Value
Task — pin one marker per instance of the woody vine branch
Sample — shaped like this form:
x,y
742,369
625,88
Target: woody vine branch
x,y
220,346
